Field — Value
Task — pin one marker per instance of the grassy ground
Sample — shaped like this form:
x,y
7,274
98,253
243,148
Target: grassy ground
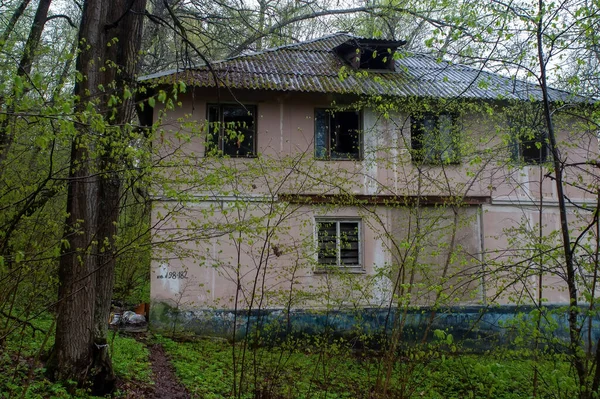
x,y
294,370
205,367
22,372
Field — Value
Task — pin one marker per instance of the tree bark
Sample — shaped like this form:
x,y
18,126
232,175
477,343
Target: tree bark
x,y
86,267
73,348
129,34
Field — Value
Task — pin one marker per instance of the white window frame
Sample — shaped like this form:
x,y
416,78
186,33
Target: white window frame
x,y
322,267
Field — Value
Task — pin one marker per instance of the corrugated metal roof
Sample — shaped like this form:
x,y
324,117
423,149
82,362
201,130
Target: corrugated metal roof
x,y
312,66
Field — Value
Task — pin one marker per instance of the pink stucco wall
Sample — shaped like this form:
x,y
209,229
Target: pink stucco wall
x,y
230,238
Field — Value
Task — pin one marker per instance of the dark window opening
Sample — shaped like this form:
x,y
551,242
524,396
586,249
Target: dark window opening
x,y
434,139
373,54
531,148
376,59
231,130
338,242
337,134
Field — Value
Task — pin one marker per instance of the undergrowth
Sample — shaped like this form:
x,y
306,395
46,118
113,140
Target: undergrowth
x,y
335,371
22,372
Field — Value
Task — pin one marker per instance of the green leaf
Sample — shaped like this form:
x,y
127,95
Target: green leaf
x,y
18,84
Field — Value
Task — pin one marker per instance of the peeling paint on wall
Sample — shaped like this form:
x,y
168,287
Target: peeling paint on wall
x,y
475,327
169,279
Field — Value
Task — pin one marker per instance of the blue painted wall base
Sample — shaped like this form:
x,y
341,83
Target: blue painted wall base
x,y
477,327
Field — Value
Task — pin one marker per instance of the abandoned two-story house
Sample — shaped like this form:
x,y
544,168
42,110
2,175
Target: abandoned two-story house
x,y
343,176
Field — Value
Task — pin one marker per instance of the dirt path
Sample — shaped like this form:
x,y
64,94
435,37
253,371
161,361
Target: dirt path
x,y
166,384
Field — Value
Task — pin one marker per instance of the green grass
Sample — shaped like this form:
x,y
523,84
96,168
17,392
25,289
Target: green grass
x,y
328,371
313,369
130,361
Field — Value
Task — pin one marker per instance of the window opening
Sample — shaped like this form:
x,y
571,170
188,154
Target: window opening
x,y
371,54
337,134
232,130
531,148
376,58
434,139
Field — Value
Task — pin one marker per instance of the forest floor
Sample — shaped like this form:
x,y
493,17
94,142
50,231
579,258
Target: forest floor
x,y
187,367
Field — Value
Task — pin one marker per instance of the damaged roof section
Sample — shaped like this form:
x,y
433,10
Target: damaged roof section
x,y
326,65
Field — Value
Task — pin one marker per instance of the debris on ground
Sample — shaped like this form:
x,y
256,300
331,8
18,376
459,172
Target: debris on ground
x,y
129,320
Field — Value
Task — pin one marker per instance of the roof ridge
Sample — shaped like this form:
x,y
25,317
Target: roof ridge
x,y
288,46
310,66
277,48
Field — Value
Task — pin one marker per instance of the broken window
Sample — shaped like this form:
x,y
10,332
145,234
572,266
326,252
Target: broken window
x,y
338,242
434,139
231,130
530,147
337,134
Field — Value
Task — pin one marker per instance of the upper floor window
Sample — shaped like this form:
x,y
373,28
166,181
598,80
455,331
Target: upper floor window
x,y
434,139
231,130
338,242
530,148
337,134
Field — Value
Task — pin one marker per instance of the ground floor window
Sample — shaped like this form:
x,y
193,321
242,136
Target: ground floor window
x,y
338,242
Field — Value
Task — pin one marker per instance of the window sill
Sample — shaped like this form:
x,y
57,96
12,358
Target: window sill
x,y
423,163
340,269
522,164
339,159
230,156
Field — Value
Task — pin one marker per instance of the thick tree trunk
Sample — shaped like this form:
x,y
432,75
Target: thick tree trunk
x,y
125,55
86,268
75,311
74,348
129,33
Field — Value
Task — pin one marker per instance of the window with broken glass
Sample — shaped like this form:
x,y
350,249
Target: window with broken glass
x,y
338,243
434,139
337,134
530,148
231,130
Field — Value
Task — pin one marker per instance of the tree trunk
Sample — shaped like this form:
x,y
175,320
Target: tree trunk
x,y
128,33
73,348
575,347
86,267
